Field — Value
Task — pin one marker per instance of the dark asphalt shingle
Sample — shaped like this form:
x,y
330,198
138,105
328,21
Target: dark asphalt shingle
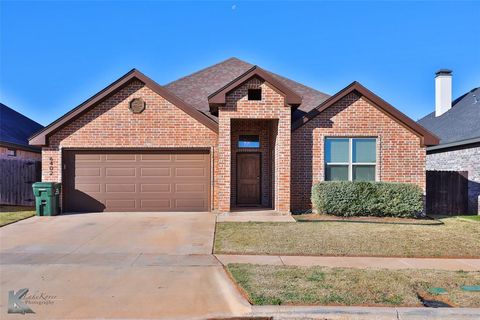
x,y
461,122
15,128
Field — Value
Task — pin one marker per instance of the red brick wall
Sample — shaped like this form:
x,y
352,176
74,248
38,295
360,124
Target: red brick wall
x,y
112,125
400,157
272,106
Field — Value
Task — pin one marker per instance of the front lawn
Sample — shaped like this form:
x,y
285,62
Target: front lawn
x,y
470,218
273,285
455,238
9,214
370,219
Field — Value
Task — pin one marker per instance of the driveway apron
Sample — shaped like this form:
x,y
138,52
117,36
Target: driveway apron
x,y
116,265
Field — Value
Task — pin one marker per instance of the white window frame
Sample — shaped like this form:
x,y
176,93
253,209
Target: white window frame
x,y
11,152
350,164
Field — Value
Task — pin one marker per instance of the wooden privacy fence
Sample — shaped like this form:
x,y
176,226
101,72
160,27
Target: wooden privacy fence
x,y
447,192
16,178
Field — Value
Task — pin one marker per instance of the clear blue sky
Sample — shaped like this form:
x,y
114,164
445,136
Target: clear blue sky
x,y
54,55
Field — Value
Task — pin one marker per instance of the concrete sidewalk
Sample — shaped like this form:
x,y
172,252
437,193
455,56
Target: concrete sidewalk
x,y
355,262
364,313
255,216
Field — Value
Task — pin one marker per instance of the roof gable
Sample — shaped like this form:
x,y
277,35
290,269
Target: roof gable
x,y
40,138
427,137
197,87
219,97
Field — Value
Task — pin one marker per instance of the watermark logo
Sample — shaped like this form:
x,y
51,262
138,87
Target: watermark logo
x,y
15,302
20,301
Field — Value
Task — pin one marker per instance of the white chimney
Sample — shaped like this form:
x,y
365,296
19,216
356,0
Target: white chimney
x,y
443,91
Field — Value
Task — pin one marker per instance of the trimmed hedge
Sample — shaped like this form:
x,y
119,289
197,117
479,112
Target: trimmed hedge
x,y
381,199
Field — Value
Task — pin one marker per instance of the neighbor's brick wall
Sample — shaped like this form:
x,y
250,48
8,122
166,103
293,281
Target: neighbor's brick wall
x,y
462,159
21,154
400,157
272,106
112,125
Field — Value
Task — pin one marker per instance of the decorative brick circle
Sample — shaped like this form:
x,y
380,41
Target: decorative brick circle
x,y
137,105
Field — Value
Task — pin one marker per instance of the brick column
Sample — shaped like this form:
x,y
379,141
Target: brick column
x,y
224,163
51,164
282,164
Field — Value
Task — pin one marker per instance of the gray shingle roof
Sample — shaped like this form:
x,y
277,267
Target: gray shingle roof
x,y
461,122
195,88
15,128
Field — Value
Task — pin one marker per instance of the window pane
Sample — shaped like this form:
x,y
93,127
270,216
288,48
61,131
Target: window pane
x,y
364,150
336,173
336,150
363,173
249,141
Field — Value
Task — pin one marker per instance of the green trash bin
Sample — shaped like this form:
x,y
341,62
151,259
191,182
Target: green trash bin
x,y
47,198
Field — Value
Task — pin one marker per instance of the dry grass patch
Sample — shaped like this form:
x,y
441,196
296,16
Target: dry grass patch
x,y
273,285
455,238
10,214
313,217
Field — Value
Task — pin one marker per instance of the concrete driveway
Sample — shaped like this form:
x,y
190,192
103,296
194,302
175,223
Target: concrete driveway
x,y
117,265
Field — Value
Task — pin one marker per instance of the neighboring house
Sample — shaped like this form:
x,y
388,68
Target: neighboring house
x,y
15,129
457,124
228,137
19,161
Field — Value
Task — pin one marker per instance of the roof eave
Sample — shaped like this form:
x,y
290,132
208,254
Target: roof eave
x,y
454,144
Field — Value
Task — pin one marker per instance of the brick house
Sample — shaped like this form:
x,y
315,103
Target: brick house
x,y
457,124
228,137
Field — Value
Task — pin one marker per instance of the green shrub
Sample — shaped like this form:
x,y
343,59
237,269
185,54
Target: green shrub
x,y
381,199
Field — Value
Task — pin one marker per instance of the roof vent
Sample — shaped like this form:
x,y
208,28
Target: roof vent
x,y
443,91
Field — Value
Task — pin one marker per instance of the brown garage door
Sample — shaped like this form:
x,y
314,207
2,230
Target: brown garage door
x,y
136,181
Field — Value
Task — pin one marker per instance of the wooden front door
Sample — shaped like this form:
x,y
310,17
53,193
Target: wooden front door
x,y
248,179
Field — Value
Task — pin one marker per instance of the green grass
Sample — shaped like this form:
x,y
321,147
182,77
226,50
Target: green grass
x,y
470,218
10,214
274,285
455,238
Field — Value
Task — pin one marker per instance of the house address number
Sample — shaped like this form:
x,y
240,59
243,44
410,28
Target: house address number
x,y
51,165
